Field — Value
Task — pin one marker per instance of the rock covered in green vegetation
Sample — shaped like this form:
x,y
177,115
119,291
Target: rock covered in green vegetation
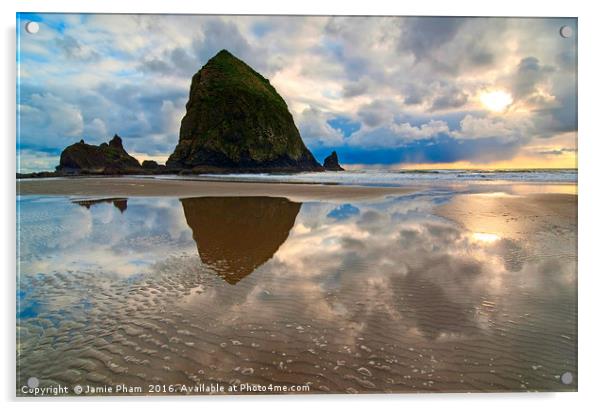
x,y
331,163
105,158
236,120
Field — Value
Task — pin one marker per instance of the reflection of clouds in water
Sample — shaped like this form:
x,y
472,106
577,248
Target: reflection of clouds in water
x,y
380,275
394,255
66,229
59,237
445,271
167,216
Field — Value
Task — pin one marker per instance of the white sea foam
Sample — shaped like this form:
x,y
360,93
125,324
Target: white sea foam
x,y
397,178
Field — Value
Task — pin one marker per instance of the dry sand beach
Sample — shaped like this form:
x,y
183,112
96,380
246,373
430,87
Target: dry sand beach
x,y
152,187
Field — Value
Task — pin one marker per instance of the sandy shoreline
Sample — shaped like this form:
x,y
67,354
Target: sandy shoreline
x,y
149,187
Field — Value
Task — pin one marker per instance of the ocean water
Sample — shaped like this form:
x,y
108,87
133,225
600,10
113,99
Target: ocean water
x,y
388,295
410,177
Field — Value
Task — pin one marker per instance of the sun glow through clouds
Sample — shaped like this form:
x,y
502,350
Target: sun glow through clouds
x,y
485,237
496,100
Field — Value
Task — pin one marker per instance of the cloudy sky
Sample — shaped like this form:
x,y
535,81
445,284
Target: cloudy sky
x,y
409,92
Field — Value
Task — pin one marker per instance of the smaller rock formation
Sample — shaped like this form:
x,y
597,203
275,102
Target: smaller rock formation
x,y
150,164
106,159
119,203
331,163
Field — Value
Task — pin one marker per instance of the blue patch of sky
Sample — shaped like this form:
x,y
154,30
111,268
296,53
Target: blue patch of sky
x,y
260,29
127,73
49,21
334,48
44,149
443,148
345,125
344,211
24,16
36,58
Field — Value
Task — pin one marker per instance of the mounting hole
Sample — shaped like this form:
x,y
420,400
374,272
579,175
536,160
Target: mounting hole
x,y
32,27
566,31
33,382
566,378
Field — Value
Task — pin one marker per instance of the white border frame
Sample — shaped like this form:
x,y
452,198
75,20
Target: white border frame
x,y
589,201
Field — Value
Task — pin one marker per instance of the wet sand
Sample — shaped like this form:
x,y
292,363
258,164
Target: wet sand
x,y
437,291
513,215
130,187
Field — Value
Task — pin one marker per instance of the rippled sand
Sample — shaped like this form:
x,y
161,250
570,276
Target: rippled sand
x,y
431,291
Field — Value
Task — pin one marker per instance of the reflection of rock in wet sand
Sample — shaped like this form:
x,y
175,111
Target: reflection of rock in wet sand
x,y
236,235
119,203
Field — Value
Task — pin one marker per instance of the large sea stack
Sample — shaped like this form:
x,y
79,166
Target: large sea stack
x,y
236,121
105,158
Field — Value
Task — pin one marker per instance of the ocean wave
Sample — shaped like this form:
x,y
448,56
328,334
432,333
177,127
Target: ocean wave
x,y
406,177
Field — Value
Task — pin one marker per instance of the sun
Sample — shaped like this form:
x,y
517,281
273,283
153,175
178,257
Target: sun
x,y
496,100
485,237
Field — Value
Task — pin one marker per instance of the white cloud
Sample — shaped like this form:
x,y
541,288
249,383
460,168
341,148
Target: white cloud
x,y
396,135
315,129
507,128
46,117
96,128
33,161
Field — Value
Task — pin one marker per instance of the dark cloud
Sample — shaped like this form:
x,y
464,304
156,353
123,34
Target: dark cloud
x,y
440,95
451,97
413,94
557,151
422,35
377,112
567,59
482,57
184,61
449,46
174,62
353,89
529,74
561,117
212,35
156,66
218,34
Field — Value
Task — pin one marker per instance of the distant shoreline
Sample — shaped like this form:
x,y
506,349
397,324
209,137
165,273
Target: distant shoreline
x,y
227,171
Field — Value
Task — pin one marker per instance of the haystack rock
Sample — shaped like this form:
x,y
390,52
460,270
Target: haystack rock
x,y
331,163
105,158
236,121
